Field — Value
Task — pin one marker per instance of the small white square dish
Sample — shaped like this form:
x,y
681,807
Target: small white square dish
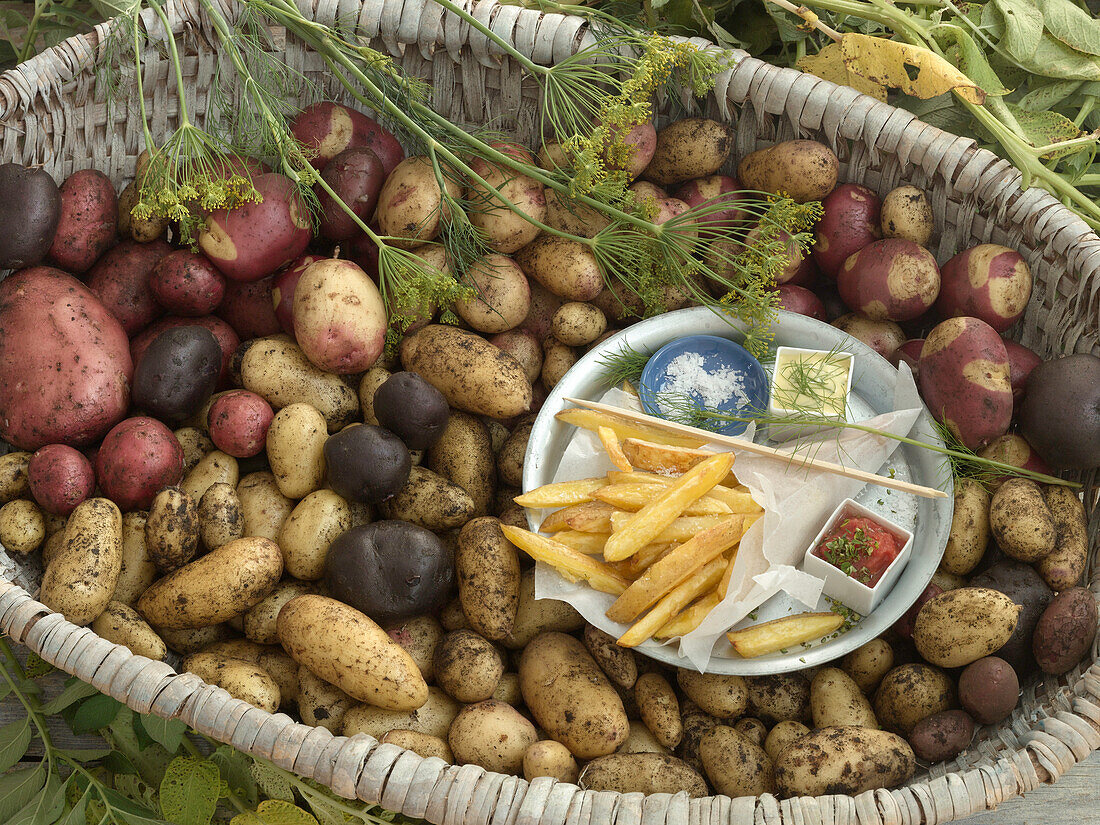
x,y
808,383
847,588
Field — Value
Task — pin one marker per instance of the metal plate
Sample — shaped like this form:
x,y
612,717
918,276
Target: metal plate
x,y
872,394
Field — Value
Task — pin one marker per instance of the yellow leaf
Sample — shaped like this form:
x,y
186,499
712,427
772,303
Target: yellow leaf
x,y
828,64
913,69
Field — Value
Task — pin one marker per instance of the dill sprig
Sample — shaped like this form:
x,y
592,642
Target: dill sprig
x,y
814,382
624,366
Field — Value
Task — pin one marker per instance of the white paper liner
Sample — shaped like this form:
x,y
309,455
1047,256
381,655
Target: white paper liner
x,y
796,502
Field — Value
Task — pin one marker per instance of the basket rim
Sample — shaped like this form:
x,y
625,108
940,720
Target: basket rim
x,y
358,766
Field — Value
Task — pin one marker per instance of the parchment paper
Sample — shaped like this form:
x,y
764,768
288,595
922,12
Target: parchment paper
x,y
796,501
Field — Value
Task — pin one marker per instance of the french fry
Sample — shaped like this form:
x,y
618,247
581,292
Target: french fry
x,y
738,500
638,477
780,634
659,457
613,448
635,496
624,428
674,602
590,517
690,618
555,522
675,568
591,544
561,494
647,524
640,561
724,585
567,560
682,529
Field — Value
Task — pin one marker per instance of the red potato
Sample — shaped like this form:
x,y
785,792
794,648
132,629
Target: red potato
x,y
634,152
88,223
644,189
65,366
282,290
1013,449
249,307
799,268
964,380
884,337
544,304
329,128
186,283
364,251
356,176
227,338
238,422
137,459
522,345
714,191
339,317
909,352
904,626
987,281
120,279
891,280
799,299
60,477
502,296
1021,361
256,239
850,222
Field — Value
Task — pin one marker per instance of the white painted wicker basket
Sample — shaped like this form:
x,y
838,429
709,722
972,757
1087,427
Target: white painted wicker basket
x,y
53,113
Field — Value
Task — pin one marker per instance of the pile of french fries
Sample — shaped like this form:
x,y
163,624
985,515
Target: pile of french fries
x,y
660,532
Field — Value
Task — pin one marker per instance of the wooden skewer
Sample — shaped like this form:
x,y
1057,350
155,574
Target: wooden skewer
x,y
763,450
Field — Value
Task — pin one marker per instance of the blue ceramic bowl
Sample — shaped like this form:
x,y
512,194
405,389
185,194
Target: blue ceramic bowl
x,y
684,356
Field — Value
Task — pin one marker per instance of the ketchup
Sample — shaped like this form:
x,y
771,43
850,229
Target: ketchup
x,y
860,547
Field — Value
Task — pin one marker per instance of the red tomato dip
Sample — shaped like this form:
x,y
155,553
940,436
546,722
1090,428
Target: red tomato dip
x,y
861,548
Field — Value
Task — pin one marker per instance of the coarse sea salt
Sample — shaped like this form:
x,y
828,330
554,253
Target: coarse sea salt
x,y
687,375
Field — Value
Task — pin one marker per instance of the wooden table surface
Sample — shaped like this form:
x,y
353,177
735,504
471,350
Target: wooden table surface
x,y
1073,800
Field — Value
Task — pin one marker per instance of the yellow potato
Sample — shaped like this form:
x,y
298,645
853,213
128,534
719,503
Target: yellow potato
x,y
419,636
619,663
122,625
429,501
259,620
549,758
493,735
577,324
557,360
1063,567
641,740
411,206
309,530
347,649
193,639
195,444
372,379
296,449
464,456
910,693
803,170
263,506
218,586
138,570
961,626
242,680
844,760
835,699
692,147
22,526
467,666
659,708
213,468
1021,522
275,662
422,744
172,529
535,616
868,663
781,736
735,765
220,518
724,696
647,773
81,579
501,296
969,527
512,453
487,571
505,230
434,717
320,703
565,267
13,476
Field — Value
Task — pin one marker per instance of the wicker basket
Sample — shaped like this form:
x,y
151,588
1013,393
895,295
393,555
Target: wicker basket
x,y
53,112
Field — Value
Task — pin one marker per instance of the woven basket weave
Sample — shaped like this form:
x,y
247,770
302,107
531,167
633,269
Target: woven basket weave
x,y
53,112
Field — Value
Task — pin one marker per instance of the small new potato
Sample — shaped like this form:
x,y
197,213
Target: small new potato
x,y
14,477
419,636
963,625
508,220
884,337
1021,522
692,147
524,347
513,453
646,773
434,717
537,616
907,214
347,649
467,666
492,735
735,765
781,736
577,324
804,170
429,500
969,527
220,517
1066,631
487,571
309,530
869,663
240,679
296,449
419,743
550,758
213,468
196,444
619,663
1063,567
260,619
121,624
836,699
843,760
22,526
659,708
640,740
80,581
320,703
912,692
570,697
1021,583
172,529
557,359
942,736
138,570
216,587
565,267
263,506
410,205
722,696
989,689
339,317
780,697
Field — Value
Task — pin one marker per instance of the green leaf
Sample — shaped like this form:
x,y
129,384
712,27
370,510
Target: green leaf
x,y
43,809
119,763
234,767
85,754
1048,96
74,691
17,789
114,8
97,712
15,738
135,789
1023,27
36,666
1044,128
275,812
1072,25
189,791
151,760
76,815
1055,59
273,782
167,732
971,60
